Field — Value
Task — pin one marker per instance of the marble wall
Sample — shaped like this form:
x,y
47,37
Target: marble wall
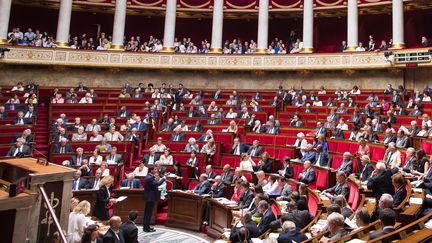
x,y
98,77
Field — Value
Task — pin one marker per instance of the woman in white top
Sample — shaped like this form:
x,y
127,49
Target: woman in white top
x,y
166,158
231,114
159,146
86,99
191,146
317,102
212,106
301,142
426,97
78,222
104,168
140,170
247,163
342,125
273,187
95,158
18,87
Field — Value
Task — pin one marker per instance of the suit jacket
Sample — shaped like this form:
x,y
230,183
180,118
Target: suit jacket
x,y
3,115
301,218
212,175
213,121
196,128
399,196
151,187
146,157
202,188
142,127
321,130
322,159
218,191
381,184
258,151
73,160
266,219
246,199
309,176
267,167
8,107
309,156
385,231
125,113
110,237
339,189
259,129
391,139
252,229
347,167
67,148
243,148
82,183
117,158
167,128
273,130
136,183
25,151
289,172
366,172
394,159
56,138
180,137
291,236
402,142
130,232
227,178
100,209
26,121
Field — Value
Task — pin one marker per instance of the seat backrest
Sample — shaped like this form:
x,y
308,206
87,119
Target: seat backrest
x,y
321,182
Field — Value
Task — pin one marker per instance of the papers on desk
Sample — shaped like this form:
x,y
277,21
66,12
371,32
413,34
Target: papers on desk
x,y
416,183
256,240
428,224
371,200
273,235
415,200
121,198
364,186
319,226
417,190
124,187
222,241
226,201
324,198
351,223
356,241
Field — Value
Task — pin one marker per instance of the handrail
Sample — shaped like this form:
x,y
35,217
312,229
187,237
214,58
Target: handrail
x,y
52,213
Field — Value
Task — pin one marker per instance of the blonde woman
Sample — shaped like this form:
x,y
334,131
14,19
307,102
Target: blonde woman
x,y
73,203
166,158
104,168
247,163
232,127
78,222
159,146
103,199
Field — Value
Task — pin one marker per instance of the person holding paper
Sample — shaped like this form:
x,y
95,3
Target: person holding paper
x,y
151,183
103,199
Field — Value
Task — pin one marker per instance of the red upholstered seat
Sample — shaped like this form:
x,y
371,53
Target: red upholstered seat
x,y
284,152
353,148
351,194
313,205
232,160
356,201
377,152
321,181
169,185
192,184
426,146
337,161
276,210
342,147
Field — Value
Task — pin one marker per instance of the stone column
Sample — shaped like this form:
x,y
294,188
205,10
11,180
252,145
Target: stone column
x,y
263,16
170,22
308,23
63,24
398,24
119,25
5,8
217,27
352,40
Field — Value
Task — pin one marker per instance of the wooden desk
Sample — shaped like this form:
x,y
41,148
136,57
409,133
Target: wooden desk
x,y
423,235
134,201
185,210
220,218
88,195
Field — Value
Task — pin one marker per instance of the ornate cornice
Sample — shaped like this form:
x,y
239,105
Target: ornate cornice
x,y
115,59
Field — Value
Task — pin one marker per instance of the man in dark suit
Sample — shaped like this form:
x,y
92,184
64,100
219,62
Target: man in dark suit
x,y
367,170
321,157
389,137
26,135
309,154
291,233
255,149
301,218
212,120
114,157
247,231
20,120
151,183
272,129
227,176
387,218
150,158
93,183
207,136
246,196
347,164
19,149
3,113
320,129
209,172
11,106
267,216
177,135
264,164
78,158
129,228
381,181
203,187
131,182
398,182
29,112
78,183
197,127
123,112
218,187
308,174
341,187
168,126
238,148
63,147
139,125
114,233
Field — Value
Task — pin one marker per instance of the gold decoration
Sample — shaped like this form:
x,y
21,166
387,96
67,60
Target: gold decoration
x,y
167,49
350,48
62,44
398,46
215,50
117,48
3,41
307,50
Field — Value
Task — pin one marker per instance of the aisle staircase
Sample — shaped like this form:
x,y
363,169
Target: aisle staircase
x,y
41,132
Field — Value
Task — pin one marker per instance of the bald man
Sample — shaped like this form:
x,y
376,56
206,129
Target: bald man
x,y
114,233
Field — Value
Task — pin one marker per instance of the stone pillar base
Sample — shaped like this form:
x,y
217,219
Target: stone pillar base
x,y
351,48
167,49
3,41
397,46
261,50
117,48
307,50
62,44
215,50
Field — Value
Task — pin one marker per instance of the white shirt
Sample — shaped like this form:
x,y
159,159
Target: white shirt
x,y
144,171
96,160
246,165
77,223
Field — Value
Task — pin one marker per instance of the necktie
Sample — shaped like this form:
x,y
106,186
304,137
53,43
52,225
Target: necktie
x,y
74,185
96,183
79,161
253,152
389,157
62,150
11,107
93,127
